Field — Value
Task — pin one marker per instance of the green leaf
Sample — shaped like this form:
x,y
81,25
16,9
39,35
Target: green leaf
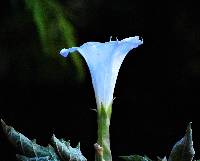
x,y
27,147
24,158
135,158
66,152
54,30
61,151
162,159
183,150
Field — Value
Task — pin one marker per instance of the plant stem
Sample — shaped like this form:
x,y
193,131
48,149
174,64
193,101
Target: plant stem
x,y
103,152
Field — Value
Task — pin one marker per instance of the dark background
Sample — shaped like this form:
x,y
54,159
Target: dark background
x,y
157,92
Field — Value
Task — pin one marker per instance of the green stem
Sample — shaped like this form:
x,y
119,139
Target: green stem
x,y
103,152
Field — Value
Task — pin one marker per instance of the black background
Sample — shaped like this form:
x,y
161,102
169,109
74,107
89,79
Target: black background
x,y
157,92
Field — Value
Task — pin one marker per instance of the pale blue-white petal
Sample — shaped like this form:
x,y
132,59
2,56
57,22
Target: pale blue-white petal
x,y
65,52
104,61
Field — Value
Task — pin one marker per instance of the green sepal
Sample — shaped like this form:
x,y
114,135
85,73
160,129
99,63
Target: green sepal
x,y
183,150
103,141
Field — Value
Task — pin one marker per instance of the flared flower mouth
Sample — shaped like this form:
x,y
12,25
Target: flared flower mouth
x,y
104,61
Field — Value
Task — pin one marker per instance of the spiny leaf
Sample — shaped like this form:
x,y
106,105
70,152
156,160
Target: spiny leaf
x,y
146,157
24,158
135,158
183,150
27,147
162,159
66,152
34,152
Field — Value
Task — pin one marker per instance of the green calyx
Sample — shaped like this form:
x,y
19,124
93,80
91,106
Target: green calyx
x,y
103,152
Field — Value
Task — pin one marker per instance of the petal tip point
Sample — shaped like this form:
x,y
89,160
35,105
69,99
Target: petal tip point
x,y
64,52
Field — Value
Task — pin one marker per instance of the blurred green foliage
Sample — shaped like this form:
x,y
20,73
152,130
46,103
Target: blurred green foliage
x,y
55,30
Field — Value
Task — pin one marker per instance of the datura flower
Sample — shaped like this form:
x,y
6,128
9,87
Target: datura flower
x,y
104,61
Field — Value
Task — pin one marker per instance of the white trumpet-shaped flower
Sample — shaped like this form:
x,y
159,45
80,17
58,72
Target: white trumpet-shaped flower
x,y
104,61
